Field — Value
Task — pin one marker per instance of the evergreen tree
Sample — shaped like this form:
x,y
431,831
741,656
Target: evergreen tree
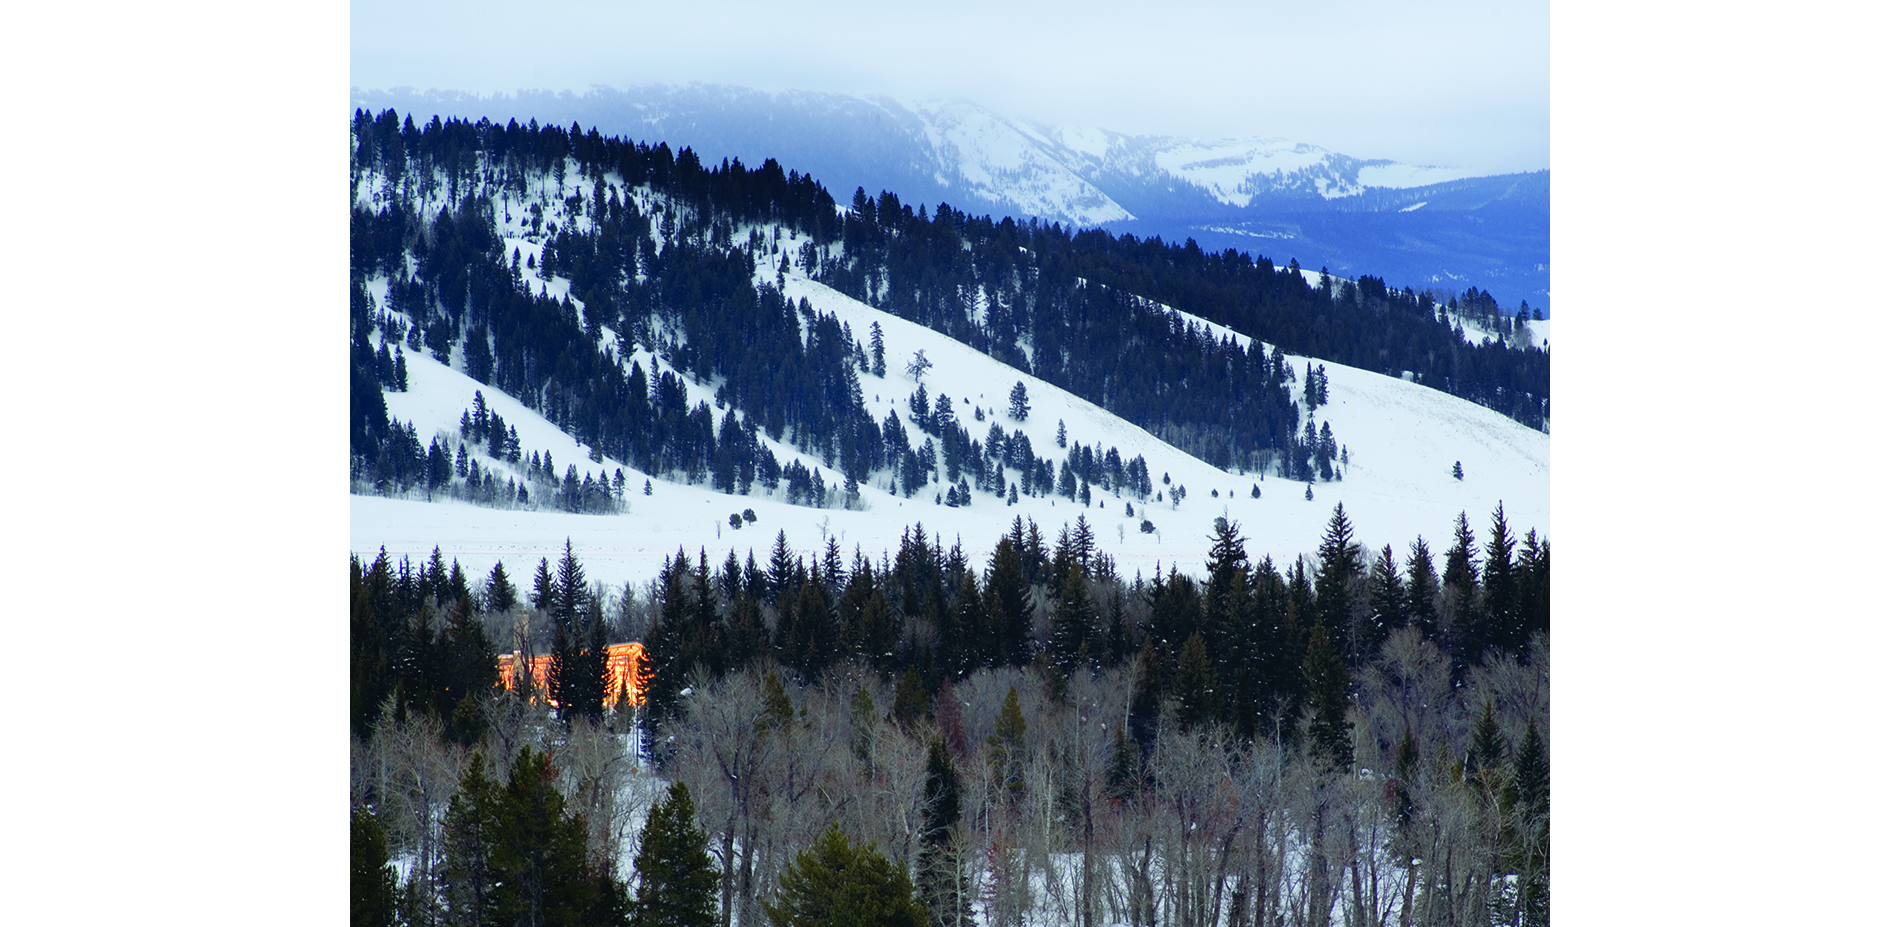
x,y
1502,618
1328,732
469,829
1072,635
779,569
1468,638
570,589
542,596
1421,589
1194,684
911,702
1533,586
591,677
809,635
499,596
1006,601
940,881
968,639
1388,607
518,857
1341,563
676,883
1009,747
837,883
877,351
1225,560
372,875
1019,402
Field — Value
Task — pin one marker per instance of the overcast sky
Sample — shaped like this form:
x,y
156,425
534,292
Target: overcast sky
x,y
1455,82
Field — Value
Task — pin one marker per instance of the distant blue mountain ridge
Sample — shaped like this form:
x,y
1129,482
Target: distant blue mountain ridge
x,y
1427,228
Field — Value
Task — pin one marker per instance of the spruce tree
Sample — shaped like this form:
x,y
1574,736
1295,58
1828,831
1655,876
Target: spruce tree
x,y
939,877
1340,565
499,596
1009,748
372,875
779,569
1194,683
1468,638
1019,401
542,595
676,883
1533,587
1225,560
1328,732
516,856
1072,636
1006,601
1387,594
469,829
1421,589
1502,625
837,883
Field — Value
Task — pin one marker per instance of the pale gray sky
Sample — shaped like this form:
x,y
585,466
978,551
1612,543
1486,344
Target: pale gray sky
x,y
1454,82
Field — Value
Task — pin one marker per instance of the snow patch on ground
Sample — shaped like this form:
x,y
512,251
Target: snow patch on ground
x,y
1398,176
1230,169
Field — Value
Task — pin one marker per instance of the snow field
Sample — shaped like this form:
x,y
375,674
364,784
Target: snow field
x,y
1402,439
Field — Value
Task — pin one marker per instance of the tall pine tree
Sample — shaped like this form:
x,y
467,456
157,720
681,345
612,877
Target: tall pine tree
x,y
676,884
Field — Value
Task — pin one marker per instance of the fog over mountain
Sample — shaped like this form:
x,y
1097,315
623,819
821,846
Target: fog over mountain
x,y
1438,227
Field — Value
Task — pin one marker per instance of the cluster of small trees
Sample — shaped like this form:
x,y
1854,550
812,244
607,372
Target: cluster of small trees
x,y
417,645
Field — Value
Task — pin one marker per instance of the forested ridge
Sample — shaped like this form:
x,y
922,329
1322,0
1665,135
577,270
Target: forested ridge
x,y
659,253
1029,732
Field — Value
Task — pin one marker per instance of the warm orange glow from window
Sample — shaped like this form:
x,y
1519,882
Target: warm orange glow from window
x,y
620,666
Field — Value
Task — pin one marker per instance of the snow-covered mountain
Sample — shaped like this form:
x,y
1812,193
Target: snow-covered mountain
x,y
1413,225
1403,440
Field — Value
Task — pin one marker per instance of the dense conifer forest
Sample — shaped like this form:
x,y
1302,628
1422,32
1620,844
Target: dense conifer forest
x,y
1035,734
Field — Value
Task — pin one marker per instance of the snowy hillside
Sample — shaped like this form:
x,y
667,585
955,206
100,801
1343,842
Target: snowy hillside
x,y
1402,440
1000,161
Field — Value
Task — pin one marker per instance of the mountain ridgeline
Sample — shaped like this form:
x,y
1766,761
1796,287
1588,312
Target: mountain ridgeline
x,y
1440,227
661,253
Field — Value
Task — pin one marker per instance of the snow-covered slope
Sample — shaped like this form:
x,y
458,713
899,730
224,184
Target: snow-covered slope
x,y
1402,440
1000,161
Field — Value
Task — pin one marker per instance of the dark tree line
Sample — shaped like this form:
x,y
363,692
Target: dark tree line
x,y
1253,647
